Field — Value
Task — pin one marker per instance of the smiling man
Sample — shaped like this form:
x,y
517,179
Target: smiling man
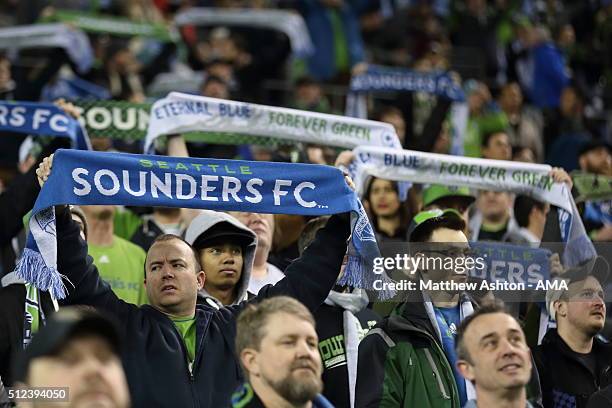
x,y
278,349
226,249
493,354
573,362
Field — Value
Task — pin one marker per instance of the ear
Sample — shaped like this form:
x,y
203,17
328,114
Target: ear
x,y
560,308
249,358
582,162
201,277
465,369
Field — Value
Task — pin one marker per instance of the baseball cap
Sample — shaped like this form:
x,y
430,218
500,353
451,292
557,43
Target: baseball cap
x,y
223,232
436,191
62,327
425,217
597,267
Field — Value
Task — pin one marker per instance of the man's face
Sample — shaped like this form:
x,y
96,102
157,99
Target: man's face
x,y
598,161
583,309
499,356
446,243
493,204
222,265
215,89
171,279
90,370
261,224
288,358
308,95
498,147
98,212
511,97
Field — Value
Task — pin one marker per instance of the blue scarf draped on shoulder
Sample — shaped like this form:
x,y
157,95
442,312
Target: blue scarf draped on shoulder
x,y
90,178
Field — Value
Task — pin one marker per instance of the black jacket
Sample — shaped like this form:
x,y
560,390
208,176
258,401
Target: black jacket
x,y
601,399
155,357
564,378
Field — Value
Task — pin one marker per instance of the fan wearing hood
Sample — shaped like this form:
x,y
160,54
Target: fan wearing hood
x,y
226,250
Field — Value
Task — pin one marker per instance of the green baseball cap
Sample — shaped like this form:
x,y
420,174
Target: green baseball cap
x,y
430,216
436,191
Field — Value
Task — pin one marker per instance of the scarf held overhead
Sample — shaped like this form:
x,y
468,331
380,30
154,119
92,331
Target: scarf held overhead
x,y
179,113
42,119
90,178
518,178
74,41
290,23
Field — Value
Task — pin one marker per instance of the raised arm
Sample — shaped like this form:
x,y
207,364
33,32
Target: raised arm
x,y
310,278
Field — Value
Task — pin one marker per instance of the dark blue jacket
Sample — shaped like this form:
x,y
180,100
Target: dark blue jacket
x,y
154,356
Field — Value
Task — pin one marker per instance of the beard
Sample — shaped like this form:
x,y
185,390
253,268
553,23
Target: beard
x,y
298,391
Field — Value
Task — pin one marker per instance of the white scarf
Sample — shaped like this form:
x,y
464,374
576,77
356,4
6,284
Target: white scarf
x,y
290,23
74,41
181,113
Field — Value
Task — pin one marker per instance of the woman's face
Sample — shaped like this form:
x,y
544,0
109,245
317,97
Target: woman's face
x,y
384,200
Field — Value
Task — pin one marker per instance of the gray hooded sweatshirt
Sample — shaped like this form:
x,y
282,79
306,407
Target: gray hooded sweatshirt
x,y
212,224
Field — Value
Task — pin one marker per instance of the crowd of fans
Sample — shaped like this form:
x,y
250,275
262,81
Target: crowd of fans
x,y
245,309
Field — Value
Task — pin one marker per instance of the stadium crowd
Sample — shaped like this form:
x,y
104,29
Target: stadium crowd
x,y
457,128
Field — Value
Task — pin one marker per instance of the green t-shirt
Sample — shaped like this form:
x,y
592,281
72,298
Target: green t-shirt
x,y
125,223
187,329
122,266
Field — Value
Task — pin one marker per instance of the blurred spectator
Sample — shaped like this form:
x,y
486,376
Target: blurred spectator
x,y
473,26
118,260
334,30
389,215
484,117
525,125
443,197
276,344
226,249
263,273
573,362
595,157
523,154
530,215
496,146
394,117
309,96
79,351
493,354
492,220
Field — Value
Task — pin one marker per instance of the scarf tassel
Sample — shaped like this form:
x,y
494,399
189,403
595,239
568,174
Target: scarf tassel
x,y
32,268
357,275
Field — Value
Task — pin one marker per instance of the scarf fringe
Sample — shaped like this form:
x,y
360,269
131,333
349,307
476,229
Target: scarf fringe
x,y
357,275
32,268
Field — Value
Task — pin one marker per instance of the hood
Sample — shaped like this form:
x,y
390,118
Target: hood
x,y
213,224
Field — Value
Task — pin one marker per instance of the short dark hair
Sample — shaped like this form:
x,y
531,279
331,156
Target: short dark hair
x,y
424,231
172,237
495,306
486,138
522,208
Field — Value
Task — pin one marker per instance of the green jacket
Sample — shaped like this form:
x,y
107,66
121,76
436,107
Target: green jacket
x,y
402,364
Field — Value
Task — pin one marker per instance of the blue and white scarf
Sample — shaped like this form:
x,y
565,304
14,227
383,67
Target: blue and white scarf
x,y
384,79
497,175
42,119
89,178
181,113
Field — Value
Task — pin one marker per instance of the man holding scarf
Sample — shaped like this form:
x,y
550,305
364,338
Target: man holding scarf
x,y
192,363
